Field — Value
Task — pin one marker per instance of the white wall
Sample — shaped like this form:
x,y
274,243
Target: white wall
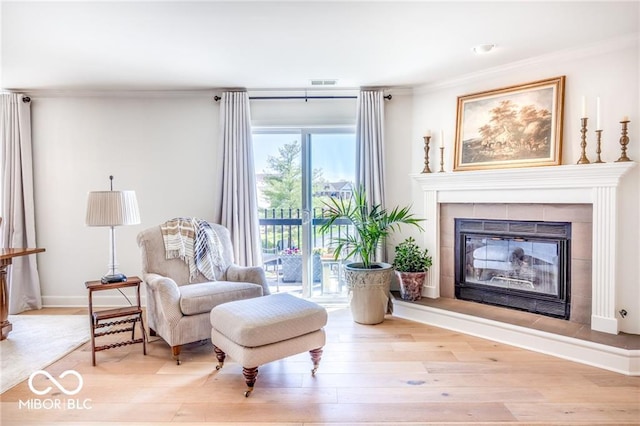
x,y
164,148
296,112
162,145
399,159
609,70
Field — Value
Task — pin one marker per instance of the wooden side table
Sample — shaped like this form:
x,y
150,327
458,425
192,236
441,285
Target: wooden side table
x,y
129,315
6,256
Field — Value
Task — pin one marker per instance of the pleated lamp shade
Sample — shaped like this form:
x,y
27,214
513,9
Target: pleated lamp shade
x,y
112,208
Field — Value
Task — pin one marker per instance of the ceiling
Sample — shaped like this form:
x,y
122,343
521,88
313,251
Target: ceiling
x,y
171,45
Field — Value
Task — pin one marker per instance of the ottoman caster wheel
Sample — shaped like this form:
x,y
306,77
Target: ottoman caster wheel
x,y
250,375
221,356
178,362
316,355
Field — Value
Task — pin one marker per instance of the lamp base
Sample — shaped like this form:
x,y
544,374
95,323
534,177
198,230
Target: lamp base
x,y
115,278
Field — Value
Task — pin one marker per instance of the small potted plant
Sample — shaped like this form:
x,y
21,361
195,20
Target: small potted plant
x,y
411,265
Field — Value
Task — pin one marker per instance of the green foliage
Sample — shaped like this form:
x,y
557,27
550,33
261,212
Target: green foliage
x,y
283,179
282,183
410,258
372,224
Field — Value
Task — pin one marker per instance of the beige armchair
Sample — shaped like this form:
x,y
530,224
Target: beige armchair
x,y
177,310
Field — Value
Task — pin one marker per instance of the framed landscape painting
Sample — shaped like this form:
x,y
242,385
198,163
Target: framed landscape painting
x,y
517,126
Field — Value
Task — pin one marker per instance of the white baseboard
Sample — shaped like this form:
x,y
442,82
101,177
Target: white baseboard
x,y
619,360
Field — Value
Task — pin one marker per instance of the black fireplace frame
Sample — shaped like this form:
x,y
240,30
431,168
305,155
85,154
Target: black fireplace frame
x,y
553,305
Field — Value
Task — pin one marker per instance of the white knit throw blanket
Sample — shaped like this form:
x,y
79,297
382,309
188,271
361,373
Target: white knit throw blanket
x,y
196,243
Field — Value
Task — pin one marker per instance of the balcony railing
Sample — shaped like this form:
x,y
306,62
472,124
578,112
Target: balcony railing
x,y
282,228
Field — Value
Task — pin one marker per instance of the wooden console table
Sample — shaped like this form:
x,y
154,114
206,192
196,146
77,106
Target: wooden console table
x,y
6,257
127,315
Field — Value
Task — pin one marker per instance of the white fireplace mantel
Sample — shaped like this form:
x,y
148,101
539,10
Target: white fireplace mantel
x,y
594,184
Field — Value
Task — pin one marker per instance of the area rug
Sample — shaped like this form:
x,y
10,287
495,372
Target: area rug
x,y
37,341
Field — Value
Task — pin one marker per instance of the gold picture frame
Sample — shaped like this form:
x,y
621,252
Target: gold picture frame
x,y
516,126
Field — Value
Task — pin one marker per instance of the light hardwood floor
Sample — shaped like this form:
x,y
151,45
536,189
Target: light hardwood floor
x,y
397,372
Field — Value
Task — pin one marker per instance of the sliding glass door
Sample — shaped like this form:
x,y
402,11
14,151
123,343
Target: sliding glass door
x,y
296,171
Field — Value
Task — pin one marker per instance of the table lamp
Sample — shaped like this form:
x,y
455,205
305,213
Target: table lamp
x,y
112,208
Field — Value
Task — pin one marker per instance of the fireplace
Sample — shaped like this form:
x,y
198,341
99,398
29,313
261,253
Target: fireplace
x,y
522,265
594,185
593,199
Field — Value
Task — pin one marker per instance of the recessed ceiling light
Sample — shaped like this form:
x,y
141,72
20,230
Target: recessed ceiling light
x,y
483,48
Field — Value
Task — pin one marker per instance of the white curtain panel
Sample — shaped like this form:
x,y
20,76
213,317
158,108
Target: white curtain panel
x,y
237,198
370,145
370,149
16,203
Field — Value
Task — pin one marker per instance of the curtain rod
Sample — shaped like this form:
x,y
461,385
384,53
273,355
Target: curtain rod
x,y
26,99
306,98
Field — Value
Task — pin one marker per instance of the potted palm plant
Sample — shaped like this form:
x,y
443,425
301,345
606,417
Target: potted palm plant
x,y
367,280
411,265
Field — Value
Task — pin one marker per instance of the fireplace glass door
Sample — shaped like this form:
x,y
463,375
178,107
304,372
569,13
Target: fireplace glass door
x,y
522,265
513,263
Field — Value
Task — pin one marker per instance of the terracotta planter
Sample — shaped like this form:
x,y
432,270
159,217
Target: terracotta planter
x,y
369,292
411,284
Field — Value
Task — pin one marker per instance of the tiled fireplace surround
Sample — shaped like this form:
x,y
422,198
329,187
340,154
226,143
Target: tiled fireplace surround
x,y
579,215
586,196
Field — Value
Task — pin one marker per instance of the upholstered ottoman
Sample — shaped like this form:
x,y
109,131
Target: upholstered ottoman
x,y
265,329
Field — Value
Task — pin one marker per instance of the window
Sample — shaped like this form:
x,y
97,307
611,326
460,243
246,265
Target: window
x,y
296,169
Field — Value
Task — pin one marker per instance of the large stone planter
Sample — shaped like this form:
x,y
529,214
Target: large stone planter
x,y
411,284
369,291
292,268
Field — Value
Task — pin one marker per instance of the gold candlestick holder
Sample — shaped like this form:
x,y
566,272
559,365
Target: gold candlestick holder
x,y
598,150
441,160
426,155
624,141
583,144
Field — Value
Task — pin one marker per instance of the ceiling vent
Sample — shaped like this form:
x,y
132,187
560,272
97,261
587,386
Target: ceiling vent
x,y
324,82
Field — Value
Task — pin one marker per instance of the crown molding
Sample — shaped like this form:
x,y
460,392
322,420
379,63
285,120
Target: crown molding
x,y
79,93
107,93
599,48
594,49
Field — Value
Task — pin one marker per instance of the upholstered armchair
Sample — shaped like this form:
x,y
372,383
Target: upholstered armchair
x,y
177,309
